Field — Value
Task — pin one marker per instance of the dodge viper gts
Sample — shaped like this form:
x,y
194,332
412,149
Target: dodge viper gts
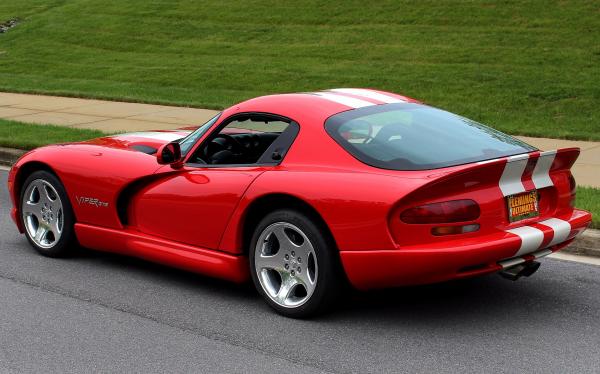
x,y
304,193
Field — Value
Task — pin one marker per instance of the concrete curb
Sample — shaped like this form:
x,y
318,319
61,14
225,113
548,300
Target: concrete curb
x,y
586,244
9,156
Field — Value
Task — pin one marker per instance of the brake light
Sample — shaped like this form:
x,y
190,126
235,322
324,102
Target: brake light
x,y
444,212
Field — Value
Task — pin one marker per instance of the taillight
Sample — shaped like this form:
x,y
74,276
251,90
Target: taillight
x,y
444,212
573,190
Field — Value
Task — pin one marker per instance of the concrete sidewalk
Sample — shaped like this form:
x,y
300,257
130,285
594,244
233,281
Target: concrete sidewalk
x,y
111,116
107,116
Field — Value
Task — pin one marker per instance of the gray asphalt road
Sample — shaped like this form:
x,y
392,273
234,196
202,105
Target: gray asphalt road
x,y
105,313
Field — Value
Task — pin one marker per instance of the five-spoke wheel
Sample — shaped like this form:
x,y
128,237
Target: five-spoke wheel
x,y
286,263
293,264
46,214
42,212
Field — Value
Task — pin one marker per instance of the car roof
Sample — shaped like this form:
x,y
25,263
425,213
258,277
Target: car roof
x,y
318,105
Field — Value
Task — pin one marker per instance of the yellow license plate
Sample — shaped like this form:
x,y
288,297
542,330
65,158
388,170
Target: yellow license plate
x,y
522,206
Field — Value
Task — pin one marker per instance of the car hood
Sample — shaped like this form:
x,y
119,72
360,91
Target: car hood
x,y
145,141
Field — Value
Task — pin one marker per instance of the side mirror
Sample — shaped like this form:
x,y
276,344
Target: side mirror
x,y
169,154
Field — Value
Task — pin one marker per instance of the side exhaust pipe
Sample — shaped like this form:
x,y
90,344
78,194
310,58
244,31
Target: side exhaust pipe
x,y
522,270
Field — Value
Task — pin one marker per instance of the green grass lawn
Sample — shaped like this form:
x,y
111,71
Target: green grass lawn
x,y
28,136
524,67
589,199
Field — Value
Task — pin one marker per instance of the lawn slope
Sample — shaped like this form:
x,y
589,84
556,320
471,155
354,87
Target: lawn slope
x,y
525,67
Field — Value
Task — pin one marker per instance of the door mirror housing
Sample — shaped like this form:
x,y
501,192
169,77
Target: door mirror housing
x,y
169,154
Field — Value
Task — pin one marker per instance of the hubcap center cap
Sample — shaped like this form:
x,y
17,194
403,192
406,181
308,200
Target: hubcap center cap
x,y
47,213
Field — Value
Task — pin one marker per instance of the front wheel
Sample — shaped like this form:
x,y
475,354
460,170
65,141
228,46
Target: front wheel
x,y
47,215
293,265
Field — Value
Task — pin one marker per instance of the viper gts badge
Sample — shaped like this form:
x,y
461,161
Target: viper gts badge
x,y
91,201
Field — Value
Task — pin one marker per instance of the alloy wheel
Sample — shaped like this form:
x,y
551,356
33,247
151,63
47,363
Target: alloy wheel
x,y
286,264
43,213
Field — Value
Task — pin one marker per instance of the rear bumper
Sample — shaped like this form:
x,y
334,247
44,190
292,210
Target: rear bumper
x,y
419,265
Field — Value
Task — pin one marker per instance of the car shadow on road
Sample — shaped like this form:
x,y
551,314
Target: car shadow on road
x,y
164,273
488,297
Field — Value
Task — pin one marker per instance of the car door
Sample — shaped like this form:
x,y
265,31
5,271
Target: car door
x,y
193,205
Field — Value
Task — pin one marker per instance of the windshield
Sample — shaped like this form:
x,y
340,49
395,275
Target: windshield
x,y
418,137
188,142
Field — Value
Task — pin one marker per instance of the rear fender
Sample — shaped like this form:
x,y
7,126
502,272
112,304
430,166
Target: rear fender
x,y
354,206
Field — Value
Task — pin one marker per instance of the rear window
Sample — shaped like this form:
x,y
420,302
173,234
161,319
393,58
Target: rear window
x,y
418,137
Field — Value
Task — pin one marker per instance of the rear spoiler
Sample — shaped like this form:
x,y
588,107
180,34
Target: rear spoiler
x,y
532,170
513,174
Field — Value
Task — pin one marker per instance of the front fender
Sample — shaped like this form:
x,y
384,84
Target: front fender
x,y
89,173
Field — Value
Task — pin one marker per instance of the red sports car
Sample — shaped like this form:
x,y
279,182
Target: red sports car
x,y
304,192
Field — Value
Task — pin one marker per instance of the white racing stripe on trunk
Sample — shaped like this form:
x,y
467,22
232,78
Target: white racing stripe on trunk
x,y
541,176
561,229
166,136
369,94
345,100
531,239
510,181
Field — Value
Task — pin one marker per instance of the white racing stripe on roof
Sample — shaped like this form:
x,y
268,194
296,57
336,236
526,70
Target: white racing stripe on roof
x,y
510,181
369,94
541,176
345,100
166,136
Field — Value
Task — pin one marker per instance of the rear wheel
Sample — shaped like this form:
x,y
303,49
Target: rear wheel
x,y
293,265
47,215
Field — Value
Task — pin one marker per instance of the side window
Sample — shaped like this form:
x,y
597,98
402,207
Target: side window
x,y
246,140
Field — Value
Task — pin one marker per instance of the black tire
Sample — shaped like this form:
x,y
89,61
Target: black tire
x,y
66,243
329,280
